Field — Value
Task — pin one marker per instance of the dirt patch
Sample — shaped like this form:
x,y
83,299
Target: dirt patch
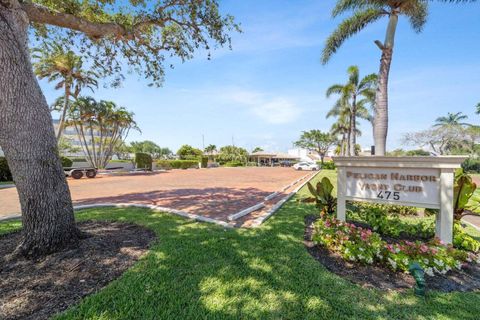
x,y
376,276
39,289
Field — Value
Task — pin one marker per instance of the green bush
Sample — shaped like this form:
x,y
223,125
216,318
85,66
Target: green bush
x,y
204,161
66,162
177,164
143,161
327,165
234,164
5,174
252,164
391,209
471,165
78,159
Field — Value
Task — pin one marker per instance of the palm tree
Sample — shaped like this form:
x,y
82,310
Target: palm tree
x,y
56,64
354,95
452,120
478,108
365,12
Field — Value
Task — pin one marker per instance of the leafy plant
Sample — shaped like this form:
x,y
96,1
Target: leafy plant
x,y
66,162
463,190
462,240
322,195
143,161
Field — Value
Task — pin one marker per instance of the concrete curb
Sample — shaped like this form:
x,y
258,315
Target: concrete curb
x,y
144,206
257,222
6,186
472,225
244,212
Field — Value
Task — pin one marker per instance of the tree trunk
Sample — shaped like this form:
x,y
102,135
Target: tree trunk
x,y
353,127
381,98
28,141
61,124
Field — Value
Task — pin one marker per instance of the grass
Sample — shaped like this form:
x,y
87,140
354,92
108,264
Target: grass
x,y
201,271
5,182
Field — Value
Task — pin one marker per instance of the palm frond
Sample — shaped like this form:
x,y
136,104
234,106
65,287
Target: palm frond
x,y
348,28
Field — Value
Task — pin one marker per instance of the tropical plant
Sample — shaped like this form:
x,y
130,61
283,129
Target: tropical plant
x,y
151,148
257,149
234,156
354,96
463,190
100,126
110,36
322,195
364,13
53,62
452,120
316,141
477,111
187,152
210,148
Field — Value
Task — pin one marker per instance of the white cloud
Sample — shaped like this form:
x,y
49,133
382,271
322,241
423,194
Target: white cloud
x,y
274,110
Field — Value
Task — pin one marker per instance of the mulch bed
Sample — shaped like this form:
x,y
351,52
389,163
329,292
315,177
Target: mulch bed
x,y
41,288
376,276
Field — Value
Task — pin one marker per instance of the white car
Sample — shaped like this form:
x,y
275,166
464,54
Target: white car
x,y
306,166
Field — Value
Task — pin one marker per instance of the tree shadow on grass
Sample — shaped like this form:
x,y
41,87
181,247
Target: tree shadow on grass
x,y
201,271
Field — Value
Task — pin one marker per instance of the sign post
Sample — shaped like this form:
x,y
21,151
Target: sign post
x,y
425,182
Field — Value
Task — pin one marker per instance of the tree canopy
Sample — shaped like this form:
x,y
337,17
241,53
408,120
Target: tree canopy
x,y
138,33
316,141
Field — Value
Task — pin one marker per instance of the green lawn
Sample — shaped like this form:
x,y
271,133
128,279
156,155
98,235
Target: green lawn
x,y
6,182
201,271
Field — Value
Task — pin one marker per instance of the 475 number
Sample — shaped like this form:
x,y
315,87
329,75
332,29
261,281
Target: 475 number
x,y
387,195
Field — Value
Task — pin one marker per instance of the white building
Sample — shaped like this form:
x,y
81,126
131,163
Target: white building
x,y
307,155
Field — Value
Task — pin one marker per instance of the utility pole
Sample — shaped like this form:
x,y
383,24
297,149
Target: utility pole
x,y
203,142
233,141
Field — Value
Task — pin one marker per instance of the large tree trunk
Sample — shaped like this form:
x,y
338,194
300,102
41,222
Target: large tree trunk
x,y
28,141
380,123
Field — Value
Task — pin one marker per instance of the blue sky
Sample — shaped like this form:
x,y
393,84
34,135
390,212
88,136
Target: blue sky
x,y
271,86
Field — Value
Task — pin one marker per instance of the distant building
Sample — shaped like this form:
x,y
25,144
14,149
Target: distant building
x,y
309,156
263,158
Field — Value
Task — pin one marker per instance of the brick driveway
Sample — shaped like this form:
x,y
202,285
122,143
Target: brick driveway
x,y
214,193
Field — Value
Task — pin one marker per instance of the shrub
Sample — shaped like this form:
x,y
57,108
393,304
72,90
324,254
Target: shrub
x,y
462,240
5,173
322,195
471,165
164,164
252,164
327,165
66,162
362,245
391,209
143,161
234,164
204,161
177,164
79,159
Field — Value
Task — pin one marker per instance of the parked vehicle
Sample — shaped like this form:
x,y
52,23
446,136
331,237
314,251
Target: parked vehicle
x,y
77,173
306,166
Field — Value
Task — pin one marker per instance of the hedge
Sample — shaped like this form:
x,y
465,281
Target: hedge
x,y
234,164
66,162
204,161
143,161
5,173
471,165
327,165
177,164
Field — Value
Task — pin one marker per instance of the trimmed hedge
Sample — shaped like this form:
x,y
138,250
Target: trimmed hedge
x,y
204,161
471,165
177,164
143,161
234,164
66,162
5,173
327,165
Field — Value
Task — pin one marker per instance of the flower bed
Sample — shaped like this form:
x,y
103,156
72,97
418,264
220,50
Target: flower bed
x,y
362,245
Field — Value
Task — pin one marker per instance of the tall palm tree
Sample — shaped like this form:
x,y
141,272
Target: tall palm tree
x,y
365,12
353,97
452,120
56,64
478,108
